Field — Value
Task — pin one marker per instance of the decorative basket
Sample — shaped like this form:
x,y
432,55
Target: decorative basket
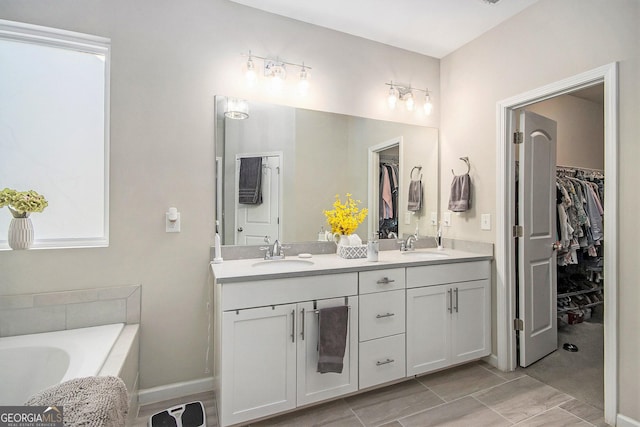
x,y
352,252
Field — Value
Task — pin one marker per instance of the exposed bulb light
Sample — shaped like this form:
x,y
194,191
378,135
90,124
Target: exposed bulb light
x,y
237,109
251,74
303,84
405,93
409,102
428,106
392,99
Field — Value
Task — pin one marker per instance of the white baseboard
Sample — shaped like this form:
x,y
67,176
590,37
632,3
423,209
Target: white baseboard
x,y
492,360
175,390
622,421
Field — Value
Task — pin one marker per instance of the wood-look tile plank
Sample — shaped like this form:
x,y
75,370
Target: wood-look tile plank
x,y
521,398
554,417
463,412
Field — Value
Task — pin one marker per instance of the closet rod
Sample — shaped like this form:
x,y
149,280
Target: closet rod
x,y
577,168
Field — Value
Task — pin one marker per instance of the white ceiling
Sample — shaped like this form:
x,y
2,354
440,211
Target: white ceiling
x,y
430,27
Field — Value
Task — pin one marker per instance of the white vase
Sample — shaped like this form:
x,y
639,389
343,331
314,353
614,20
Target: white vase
x,y
20,233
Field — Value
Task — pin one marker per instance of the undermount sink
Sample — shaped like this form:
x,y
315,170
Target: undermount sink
x,y
279,264
425,254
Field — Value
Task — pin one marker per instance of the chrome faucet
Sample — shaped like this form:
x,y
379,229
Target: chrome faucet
x,y
273,252
408,245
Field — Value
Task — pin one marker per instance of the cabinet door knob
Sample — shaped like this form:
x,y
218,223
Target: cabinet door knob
x,y
384,362
381,316
385,281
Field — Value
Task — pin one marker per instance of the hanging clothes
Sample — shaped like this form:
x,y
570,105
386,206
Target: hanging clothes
x,y
388,199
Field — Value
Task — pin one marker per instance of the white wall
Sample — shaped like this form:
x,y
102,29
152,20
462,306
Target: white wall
x,y
169,59
550,41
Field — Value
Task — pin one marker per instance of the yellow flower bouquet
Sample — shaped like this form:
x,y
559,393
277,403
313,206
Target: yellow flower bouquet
x,y
345,217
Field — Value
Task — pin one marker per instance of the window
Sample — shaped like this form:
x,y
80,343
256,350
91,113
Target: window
x,y
54,131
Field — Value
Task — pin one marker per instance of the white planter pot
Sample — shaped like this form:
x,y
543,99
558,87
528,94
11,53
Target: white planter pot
x,y
20,233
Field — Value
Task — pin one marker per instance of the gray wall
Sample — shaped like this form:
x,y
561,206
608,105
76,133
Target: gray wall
x,y
169,59
550,41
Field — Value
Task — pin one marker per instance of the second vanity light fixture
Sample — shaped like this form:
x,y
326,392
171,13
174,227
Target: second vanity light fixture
x,y
404,92
275,70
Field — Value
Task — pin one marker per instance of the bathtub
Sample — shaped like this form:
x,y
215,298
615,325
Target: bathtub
x,y
30,363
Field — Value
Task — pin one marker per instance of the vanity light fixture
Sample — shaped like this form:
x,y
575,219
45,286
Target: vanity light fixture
x,y
237,109
275,70
404,92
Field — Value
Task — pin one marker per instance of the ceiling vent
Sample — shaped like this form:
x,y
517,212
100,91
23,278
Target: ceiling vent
x,y
491,1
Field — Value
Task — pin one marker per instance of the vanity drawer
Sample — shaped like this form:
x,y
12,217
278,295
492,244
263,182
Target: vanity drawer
x,y
447,273
382,360
381,280
382,314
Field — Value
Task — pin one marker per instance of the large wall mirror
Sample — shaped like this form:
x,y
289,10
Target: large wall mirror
x,y
301,159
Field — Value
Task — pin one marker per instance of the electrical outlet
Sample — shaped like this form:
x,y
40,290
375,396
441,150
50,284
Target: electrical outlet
x,y
434,218
446,219
485,222
407,218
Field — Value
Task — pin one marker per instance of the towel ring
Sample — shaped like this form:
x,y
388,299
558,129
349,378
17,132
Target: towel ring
x,y
414,168
466,160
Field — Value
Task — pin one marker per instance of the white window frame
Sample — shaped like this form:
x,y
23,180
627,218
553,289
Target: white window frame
x,y
52,37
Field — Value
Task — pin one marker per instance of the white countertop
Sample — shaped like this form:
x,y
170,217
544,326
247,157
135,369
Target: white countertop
x,y
294,266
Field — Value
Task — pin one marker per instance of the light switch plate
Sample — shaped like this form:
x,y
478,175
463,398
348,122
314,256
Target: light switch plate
x,y
485,222
446,219
407,218
434,218
172,226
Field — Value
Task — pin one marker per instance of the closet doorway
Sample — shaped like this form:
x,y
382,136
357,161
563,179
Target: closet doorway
x,y
569,339
385,160
507,321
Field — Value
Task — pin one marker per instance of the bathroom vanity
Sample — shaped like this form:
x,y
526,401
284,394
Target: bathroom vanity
x,y
409,314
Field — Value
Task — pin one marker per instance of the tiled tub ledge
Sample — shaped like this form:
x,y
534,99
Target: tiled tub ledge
x,y
55,311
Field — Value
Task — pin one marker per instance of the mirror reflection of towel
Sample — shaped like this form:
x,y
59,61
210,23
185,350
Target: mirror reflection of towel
x,y
415,196
250,182
332,338
460,198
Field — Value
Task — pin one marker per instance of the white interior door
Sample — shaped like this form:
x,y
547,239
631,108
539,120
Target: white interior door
x,y
254,222
537,258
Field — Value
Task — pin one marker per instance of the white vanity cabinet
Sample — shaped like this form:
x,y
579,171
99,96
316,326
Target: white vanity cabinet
x,y
382,326
269,353
448,315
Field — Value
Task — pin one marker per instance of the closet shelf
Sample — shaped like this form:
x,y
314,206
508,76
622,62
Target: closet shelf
x,y
584,291
593,304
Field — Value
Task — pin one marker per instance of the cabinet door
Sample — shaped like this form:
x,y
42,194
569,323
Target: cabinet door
x,y
258,363
428,328
314,386
471,321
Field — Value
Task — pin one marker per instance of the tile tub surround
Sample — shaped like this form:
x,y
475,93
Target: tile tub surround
x,y
55,311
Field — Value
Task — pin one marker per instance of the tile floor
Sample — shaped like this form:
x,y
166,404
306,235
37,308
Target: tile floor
x,y
475,395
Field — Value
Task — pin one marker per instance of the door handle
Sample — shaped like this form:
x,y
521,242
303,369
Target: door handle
x,y
302,327
240,230
385,281
456,292
450,301
556,246
293,326
384,362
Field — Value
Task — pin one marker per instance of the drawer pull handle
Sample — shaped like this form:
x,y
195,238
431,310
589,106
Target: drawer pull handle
x,y
385,281
381,316
384,362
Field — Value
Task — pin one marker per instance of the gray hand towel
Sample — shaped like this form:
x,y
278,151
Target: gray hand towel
x,y
332,338
460,198
250,185
415,196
